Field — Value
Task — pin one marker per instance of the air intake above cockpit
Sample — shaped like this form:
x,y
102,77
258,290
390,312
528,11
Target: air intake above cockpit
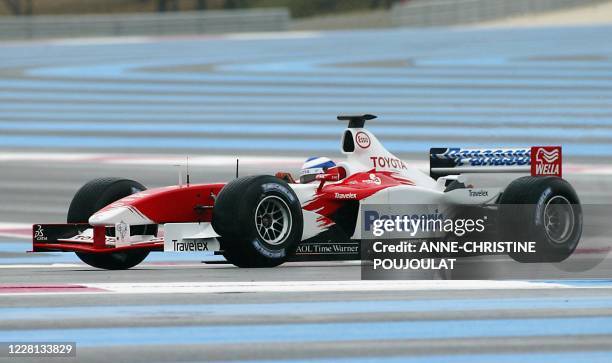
x,y
356,121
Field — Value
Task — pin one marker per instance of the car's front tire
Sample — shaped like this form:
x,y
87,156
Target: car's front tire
x,y
259,219
94,196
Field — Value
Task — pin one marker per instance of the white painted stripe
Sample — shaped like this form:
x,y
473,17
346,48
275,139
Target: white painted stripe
x,y
14,225
153,39
19,235
315,286
217,160
303,286
101,40
53,265
587,169
15,230
82,265
272,35
65,157
229,160
214,160
181,264
81,41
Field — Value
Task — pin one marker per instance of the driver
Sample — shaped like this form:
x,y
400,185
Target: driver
x,y
314,166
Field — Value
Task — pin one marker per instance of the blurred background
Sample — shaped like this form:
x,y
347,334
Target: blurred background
x,y
300,14
93,88
130,88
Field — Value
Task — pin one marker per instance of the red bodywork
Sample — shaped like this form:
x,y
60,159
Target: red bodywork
x,y
330,198
194,203
98,246
173,204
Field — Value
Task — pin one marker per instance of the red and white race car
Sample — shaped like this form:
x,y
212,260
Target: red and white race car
x,y
264,220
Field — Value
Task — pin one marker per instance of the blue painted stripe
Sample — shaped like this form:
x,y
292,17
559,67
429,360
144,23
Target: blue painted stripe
x,y
427,68
324,332
308,63
441,90
49,258
432,133
461,61
430,69
258,105
536,357
340,101
123,72
501,119
307,308
260,144
316,65
68,257
15,247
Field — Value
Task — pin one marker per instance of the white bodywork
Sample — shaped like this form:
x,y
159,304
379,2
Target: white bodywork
x,y
367,154
190,237
370,154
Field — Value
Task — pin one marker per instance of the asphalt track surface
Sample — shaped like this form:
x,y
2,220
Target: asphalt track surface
x,y
74,110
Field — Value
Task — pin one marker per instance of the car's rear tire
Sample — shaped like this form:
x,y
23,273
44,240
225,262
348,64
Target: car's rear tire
x,y
259,219
94,196
545,210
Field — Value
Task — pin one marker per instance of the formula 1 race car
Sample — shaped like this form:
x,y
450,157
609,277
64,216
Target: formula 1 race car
x,y
264,220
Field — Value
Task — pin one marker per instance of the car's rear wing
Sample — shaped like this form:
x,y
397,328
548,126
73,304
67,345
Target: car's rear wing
x,y
536,160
